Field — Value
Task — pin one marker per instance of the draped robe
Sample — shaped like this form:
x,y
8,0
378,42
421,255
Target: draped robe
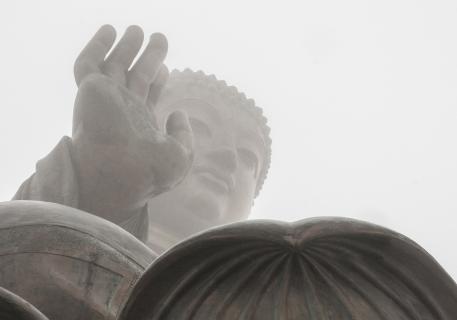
x,y
55,180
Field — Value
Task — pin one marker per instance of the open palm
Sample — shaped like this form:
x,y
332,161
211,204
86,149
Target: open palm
x,y
121,156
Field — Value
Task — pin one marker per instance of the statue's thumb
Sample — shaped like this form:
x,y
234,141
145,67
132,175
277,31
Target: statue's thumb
x,y
178,127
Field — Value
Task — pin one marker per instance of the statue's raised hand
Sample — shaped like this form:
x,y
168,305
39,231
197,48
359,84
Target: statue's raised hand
x,y
121,156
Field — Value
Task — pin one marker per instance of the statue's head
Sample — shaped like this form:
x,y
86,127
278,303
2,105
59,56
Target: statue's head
x,y
231,154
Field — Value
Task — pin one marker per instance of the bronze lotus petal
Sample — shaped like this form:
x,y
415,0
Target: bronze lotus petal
x,y
323,268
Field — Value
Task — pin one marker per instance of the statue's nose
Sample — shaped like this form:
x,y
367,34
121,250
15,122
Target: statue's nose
x,y
225,159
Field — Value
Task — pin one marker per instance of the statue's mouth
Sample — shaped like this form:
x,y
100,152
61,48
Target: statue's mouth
x,y
216,180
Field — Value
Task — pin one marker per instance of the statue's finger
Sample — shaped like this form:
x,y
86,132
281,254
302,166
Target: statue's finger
x,y
145,69
93,54
178,127
119,60
157,85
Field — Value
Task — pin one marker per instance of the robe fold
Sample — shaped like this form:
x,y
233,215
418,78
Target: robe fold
x,y
55,180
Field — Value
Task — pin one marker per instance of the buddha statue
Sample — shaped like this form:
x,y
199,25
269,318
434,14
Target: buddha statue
x,y
154,162
191,160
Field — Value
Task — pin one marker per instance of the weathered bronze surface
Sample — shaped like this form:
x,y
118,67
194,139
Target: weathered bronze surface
x,y
323,268
67,263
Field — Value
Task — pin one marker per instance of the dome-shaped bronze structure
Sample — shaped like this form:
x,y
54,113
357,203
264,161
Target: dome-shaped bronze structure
x,y
325,268
66,262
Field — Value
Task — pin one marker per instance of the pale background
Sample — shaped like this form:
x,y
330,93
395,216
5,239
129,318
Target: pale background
x,y
361,97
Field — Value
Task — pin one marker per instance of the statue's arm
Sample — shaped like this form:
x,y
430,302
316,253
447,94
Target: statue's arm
x,y
55,180
117,158
121,157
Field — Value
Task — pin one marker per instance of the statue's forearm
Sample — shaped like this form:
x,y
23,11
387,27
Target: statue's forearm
x,y
58,178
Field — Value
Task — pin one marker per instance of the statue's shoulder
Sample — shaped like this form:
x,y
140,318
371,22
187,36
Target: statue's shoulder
x,y
54,179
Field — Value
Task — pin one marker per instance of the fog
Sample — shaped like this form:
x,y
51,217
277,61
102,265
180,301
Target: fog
x,y
361,97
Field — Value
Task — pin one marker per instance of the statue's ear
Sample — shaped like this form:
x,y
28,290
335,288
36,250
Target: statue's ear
x,y
13,307
329,268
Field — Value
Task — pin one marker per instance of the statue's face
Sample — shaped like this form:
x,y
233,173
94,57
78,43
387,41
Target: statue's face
x,y
228,157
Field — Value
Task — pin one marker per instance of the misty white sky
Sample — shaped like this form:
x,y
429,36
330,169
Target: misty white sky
x,y
361,97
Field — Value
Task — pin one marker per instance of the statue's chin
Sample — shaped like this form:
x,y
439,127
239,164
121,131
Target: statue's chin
x,y
179,221
200,200
188,209
205,208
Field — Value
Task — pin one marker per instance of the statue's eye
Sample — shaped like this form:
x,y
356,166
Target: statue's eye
x,y
249,159
199,128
